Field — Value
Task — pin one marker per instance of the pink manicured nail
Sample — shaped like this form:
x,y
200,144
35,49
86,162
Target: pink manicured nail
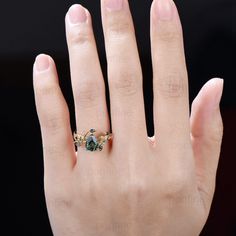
x,y
164,9
77,14
42,63
114,5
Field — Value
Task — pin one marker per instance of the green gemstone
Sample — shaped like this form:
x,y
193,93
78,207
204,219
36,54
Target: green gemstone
x,y
91,144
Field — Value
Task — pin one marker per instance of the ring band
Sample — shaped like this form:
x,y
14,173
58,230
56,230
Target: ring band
x,y
90,142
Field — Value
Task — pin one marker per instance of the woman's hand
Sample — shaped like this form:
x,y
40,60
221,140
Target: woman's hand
x,y
136,185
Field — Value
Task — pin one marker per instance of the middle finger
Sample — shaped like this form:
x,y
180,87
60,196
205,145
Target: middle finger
x,y
124,73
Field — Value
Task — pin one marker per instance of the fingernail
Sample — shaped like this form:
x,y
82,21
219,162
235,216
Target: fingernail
x,y
77,14
42,63
164,10
114,5
220,91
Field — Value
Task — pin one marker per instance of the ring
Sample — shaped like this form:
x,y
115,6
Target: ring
x,y
90,142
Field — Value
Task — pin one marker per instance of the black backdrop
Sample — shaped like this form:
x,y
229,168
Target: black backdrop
x,y
31,27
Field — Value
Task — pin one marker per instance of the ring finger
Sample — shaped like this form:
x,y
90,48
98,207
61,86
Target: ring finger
x,y
86,75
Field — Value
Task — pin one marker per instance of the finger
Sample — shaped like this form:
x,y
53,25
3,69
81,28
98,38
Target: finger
x,y
171,108
124,73
58,148
87,80
207,131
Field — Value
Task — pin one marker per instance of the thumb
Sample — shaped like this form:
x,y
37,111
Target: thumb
x,y
207,132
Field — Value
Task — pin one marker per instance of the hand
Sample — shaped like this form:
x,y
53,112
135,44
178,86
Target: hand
x,y
133,186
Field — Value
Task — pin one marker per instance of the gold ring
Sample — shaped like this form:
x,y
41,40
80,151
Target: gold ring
x,y
90,142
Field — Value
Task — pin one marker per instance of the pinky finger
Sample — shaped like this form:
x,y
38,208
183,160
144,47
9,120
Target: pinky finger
x,y
53,113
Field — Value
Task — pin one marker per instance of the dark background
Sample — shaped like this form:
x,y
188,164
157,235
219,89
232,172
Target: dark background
x,y
31,27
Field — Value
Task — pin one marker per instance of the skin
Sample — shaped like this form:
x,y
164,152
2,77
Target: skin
x,y
137,185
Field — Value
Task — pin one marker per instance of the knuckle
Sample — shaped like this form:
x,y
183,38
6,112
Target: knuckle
x,y
126,83
88,93
172,85
135,189
169,34
53,123
92,190
58,198
175,185
45,89
62,201
118,29
80,36
138,190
